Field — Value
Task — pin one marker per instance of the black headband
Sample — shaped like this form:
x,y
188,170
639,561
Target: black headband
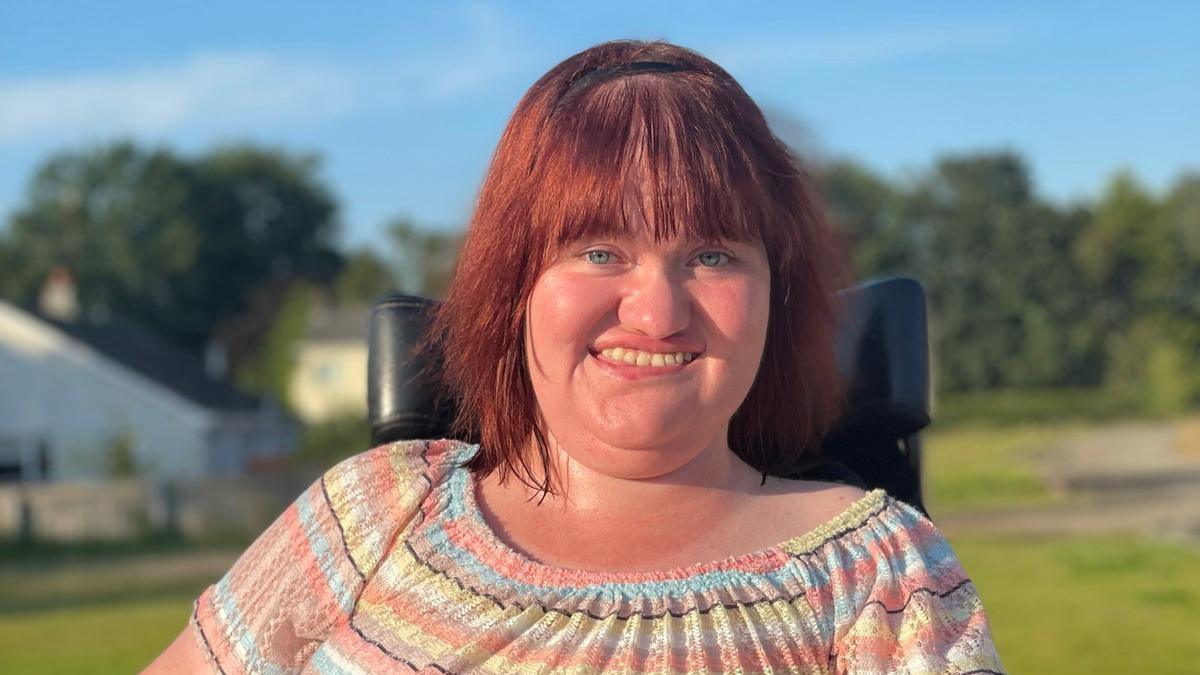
x,y
619,70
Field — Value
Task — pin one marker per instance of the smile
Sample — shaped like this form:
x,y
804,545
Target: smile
x,y
641,359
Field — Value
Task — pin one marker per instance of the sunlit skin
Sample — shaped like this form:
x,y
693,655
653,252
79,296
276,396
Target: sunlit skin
x,y
676,296
647,475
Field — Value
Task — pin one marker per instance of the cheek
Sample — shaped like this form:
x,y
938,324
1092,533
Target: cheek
x,y
563,315
737,312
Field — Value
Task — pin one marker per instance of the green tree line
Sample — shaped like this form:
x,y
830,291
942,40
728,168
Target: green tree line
x,y
1028,294
234,244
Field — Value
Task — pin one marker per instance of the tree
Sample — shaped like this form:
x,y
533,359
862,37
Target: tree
x,y
1136,258
861,207
425,259
1126,253
273,363
269,221
365,278
1180,215
122,219
179,245
992,256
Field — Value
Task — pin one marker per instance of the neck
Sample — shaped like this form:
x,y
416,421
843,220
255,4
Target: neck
x,y
646,489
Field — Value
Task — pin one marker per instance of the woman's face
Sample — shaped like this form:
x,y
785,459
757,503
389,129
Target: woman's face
x,y
640,352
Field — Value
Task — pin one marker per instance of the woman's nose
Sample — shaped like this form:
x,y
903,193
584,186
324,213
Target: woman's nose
x,y
655,304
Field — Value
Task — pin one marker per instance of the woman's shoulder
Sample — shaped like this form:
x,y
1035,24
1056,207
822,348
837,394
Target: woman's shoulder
x,y
303,574
827,501
878,548
876,526
829,513
893,594
370,493
868,535
397,465
799,510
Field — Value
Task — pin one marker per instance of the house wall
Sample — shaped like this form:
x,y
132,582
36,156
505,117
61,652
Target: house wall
x,y
251,441
330,377
58,394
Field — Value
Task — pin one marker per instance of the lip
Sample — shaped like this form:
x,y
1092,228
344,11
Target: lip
x,y
644,344
624,371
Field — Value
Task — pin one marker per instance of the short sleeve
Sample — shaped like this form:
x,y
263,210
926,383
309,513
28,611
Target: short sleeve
x,y
302,577
909,605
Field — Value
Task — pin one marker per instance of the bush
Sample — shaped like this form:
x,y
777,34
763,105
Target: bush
x,y
330,441
1016,406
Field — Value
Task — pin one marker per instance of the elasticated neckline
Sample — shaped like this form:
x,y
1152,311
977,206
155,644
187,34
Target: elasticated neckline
x,y
463,487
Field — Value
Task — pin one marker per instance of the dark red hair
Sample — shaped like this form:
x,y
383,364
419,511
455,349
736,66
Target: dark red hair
x,y
706,166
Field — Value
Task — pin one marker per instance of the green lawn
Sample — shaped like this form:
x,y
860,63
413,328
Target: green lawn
x,y
1089,605
121,636
110,613
1068,605
968,467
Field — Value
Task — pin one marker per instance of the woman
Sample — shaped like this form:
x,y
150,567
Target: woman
x,y
640,333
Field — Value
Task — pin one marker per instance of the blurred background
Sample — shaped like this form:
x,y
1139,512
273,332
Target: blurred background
x,y
199,203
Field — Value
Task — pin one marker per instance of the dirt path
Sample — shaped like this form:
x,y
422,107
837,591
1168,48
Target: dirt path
x,y
1126,478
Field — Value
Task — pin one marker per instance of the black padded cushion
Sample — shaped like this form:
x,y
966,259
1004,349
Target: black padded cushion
x,y
883,351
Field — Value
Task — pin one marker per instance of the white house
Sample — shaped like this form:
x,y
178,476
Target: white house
x,y
330,377
75,396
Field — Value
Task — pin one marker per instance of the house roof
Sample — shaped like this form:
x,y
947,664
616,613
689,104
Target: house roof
x,y
152,357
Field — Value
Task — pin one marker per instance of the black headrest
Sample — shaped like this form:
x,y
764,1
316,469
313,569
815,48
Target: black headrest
x,y
882,350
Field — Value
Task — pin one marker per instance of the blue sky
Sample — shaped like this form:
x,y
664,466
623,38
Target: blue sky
x,y
405,101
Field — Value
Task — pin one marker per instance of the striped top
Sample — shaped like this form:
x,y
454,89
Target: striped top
x,y
386,564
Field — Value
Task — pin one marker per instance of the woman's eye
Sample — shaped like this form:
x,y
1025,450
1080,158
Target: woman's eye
x,y
712,258
599,257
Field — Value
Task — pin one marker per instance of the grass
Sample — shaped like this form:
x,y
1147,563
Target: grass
x,y
982,450
1074,604
16,553
121,636
1017,407
970,467
97,610
1089,604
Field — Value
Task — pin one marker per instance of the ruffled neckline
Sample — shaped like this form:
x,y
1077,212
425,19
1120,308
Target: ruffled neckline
x,y
522,568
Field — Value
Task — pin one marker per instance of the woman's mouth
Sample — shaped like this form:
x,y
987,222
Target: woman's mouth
x,y
644,359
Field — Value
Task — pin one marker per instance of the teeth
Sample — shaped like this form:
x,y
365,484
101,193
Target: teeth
x,y
642,359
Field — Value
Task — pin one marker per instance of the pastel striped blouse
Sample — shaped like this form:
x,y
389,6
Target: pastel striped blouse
x,y
385,564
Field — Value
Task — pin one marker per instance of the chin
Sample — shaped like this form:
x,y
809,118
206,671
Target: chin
x,y
634,458
650,423
636,440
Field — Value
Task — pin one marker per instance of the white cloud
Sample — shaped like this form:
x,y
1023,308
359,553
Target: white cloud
x,y
867,46
212,90
235,92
